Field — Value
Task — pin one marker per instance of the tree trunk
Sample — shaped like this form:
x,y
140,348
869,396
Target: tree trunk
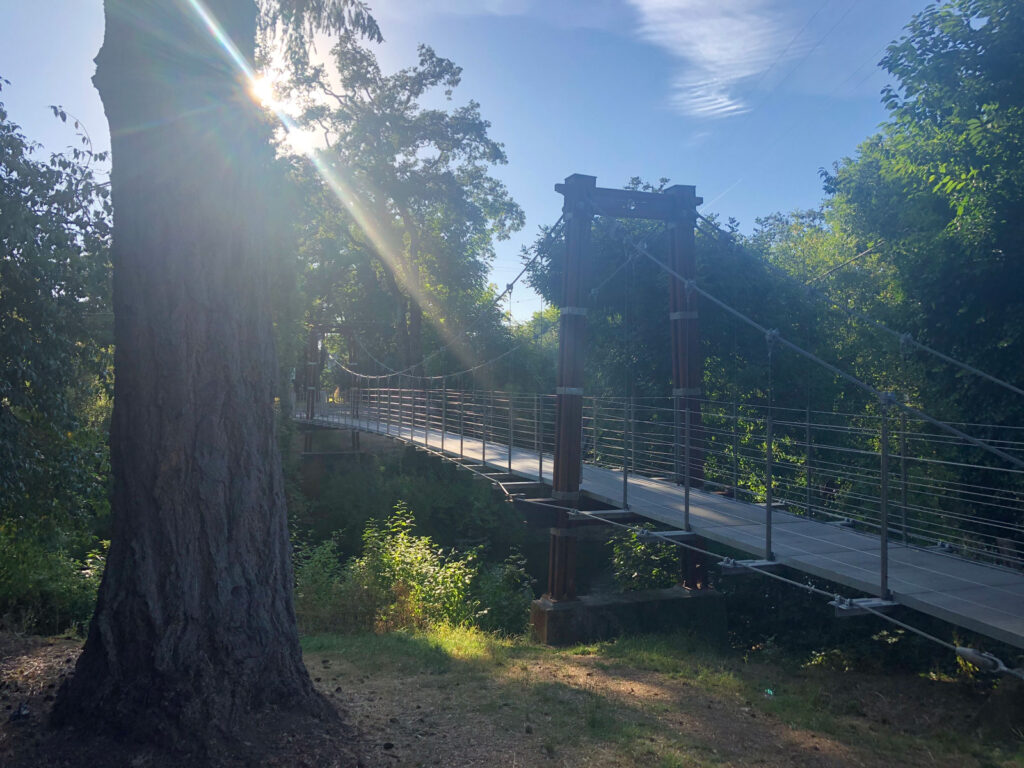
x,y
194,628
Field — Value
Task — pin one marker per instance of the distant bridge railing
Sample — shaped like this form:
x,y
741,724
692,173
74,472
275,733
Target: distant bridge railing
x,y
939,490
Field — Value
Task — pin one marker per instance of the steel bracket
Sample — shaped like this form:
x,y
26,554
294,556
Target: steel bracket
x,y
861,606
731,567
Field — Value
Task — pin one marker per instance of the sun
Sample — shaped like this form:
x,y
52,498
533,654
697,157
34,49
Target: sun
x,y
261,88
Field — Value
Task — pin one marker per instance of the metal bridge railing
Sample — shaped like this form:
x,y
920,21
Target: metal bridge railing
x,y
893,476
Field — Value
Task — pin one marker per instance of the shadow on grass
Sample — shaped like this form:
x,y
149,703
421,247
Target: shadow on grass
x,y
647,700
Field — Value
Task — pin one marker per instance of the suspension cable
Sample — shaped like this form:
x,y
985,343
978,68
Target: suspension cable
x,y
882,396
987,662
537,250
905,339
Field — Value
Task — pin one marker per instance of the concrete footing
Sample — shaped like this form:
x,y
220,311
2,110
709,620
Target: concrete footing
x,y
600,617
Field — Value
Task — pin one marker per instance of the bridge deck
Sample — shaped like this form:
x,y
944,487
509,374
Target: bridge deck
x,y
983,598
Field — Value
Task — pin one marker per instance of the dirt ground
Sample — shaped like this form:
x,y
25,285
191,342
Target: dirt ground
x,y
32,670
534,709
575,711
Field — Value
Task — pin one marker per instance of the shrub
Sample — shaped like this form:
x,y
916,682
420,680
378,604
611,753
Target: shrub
x,y
504,591
641,562
404,581
46,591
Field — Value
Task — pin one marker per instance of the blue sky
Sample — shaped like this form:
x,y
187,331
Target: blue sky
x,y
746,99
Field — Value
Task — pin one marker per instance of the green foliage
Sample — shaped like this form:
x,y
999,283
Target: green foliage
x,y
644,562
400,211
55,381
404,581
939,192
453,508
46,591
504,592
423,584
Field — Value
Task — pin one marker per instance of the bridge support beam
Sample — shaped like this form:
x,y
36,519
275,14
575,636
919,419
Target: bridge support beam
x,y
687,360
578,212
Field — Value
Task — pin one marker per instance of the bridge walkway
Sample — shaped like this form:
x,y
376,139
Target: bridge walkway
x,y
985,598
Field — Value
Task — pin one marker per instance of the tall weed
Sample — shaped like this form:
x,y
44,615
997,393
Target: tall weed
x,y
404,581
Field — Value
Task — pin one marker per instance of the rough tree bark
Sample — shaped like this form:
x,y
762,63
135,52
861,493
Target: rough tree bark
x,y
195,628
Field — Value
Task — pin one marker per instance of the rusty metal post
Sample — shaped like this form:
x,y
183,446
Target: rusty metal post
x,y
883,576
511,430
735,451
426,415
485,414
808,467
686,469
626,437
538,437
903,477
687,361
769,482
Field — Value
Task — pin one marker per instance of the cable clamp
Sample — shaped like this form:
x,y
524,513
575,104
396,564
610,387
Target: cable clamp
x,y
581,311
887,399
986,662
569,391
686,314
771,336
906,340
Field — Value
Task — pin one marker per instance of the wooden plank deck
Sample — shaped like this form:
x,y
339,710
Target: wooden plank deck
x,y
984,598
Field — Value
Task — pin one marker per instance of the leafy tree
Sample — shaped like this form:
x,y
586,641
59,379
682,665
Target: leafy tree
x,y
54,238
420,211
194,629
940,193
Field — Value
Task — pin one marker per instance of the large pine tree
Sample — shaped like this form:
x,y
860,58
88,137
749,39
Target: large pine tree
x,y
194,629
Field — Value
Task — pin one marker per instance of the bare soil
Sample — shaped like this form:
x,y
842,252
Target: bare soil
x,y
32,670
541,708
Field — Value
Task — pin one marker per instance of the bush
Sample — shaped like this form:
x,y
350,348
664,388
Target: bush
x,y
403,581
46,591
641,562
504,591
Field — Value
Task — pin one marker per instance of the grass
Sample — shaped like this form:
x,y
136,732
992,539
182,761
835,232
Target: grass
x,y
647,700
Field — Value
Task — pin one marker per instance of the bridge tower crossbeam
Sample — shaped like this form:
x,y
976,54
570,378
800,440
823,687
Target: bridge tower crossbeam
x,y
583,199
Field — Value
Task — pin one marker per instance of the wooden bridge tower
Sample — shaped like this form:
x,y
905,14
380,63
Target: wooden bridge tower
x,y
677,206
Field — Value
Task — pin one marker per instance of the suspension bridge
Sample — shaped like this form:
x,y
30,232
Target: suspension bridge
x,y
891,503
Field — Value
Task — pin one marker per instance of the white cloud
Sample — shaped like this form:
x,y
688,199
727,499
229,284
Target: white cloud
x,y
719,44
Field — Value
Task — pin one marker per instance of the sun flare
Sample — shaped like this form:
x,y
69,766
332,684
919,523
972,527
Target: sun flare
x,y
261,88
